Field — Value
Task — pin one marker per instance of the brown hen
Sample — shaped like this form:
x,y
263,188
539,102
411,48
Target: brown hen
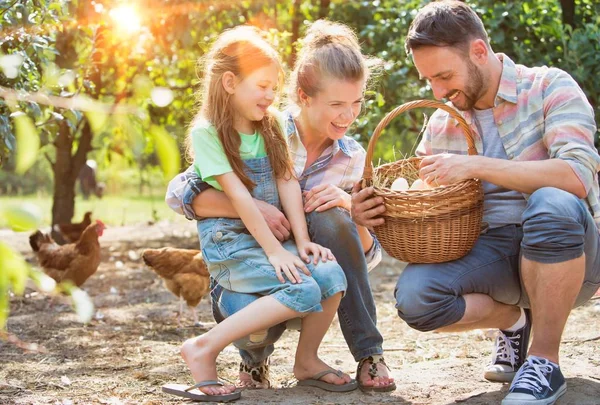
x,y
184,273
75,262
71,232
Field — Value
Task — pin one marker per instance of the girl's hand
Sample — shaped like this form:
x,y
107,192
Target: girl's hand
x,y
288,263
324,197
307,248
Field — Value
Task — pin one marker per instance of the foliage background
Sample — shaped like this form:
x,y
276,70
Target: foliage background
x,y
76,42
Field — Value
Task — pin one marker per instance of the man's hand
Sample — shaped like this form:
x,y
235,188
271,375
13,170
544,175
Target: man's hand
x,y
277,222
324,197
366,207
445,168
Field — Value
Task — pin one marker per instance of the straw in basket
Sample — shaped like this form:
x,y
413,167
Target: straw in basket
x,y
431,225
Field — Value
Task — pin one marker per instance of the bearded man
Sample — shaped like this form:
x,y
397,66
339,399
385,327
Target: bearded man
x,y
539,256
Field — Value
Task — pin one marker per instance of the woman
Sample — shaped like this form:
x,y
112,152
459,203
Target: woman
x,y
325,93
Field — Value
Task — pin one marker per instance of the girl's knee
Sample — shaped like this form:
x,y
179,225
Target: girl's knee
x,y
306,295
329,276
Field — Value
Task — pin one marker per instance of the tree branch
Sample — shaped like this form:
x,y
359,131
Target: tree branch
x,y
49,159
80,103
9,7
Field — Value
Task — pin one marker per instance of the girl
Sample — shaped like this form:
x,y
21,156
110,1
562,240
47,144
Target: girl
x,y
230,137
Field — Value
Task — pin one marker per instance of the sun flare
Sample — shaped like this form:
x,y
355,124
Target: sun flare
x,y
127,18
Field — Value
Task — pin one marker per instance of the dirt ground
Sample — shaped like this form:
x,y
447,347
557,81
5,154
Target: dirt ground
x,y
130,348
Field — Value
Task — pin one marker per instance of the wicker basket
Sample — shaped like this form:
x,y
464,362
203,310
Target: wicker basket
x,y
431,225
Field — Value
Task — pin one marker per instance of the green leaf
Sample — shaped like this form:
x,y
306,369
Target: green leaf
x,y
167,151
28,141
97,120
24,217
13,276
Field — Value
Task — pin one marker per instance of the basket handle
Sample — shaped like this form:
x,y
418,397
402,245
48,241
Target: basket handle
x,y
368,172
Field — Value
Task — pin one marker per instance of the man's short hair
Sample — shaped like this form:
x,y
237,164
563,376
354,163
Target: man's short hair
x,y
445,23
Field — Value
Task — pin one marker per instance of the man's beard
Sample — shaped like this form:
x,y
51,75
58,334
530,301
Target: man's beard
x,y
474,90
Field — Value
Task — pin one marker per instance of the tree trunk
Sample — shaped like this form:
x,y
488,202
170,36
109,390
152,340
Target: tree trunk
x,y
568,12
66,169
296,20
324,8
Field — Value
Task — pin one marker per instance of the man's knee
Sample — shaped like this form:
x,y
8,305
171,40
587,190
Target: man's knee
x,y
553,203
553,226
423,304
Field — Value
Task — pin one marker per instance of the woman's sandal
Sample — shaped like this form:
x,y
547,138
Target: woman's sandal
x,y
184,391
259,375
373,372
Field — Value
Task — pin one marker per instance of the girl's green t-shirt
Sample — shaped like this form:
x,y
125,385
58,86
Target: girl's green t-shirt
x,y
209,157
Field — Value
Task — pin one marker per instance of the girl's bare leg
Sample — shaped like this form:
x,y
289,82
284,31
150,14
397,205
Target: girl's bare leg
x,y
200,353
314,327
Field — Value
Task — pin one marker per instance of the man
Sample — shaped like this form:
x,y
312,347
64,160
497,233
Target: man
x,y
540,256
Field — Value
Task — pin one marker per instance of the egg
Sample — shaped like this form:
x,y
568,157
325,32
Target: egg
x,y
419,184
400,184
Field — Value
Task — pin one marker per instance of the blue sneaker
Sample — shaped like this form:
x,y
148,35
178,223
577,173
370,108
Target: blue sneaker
x,y
538,381
510,351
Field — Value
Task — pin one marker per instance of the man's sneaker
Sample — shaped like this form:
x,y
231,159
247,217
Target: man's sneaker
x,y
509,353
538,381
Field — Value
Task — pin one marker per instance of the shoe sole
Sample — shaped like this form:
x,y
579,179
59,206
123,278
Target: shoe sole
x,y
493,376
547,401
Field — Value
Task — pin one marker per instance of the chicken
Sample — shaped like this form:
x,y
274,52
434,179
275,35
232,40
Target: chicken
x,y
184,273
75,262
72,232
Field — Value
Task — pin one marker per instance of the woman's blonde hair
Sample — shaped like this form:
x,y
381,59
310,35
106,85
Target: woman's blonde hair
x,y
328,50
241,51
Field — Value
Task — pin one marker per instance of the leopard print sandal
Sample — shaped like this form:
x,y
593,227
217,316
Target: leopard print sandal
x,y
259,375
373,372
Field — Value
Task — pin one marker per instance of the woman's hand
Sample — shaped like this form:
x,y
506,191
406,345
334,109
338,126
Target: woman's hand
x,y
288,263
324,197
276,220
309,248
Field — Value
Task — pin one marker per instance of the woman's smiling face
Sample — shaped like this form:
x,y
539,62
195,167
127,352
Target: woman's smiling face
x,y
334,108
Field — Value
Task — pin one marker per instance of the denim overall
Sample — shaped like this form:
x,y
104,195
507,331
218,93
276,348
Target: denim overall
x,y
238,263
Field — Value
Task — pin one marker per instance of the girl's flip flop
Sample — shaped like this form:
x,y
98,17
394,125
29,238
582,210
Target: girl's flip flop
x,y
316,381
188,392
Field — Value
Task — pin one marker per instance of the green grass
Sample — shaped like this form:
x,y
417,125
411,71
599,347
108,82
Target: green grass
x,y
112,210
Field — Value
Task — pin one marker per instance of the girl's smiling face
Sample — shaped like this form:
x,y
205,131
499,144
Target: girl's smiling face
x,y
334,108
253,95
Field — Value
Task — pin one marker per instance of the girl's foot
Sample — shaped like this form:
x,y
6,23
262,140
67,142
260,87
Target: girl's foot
x,y
202,364
307,368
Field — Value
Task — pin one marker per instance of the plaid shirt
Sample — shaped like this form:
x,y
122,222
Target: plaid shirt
x,y
341,164
541,113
